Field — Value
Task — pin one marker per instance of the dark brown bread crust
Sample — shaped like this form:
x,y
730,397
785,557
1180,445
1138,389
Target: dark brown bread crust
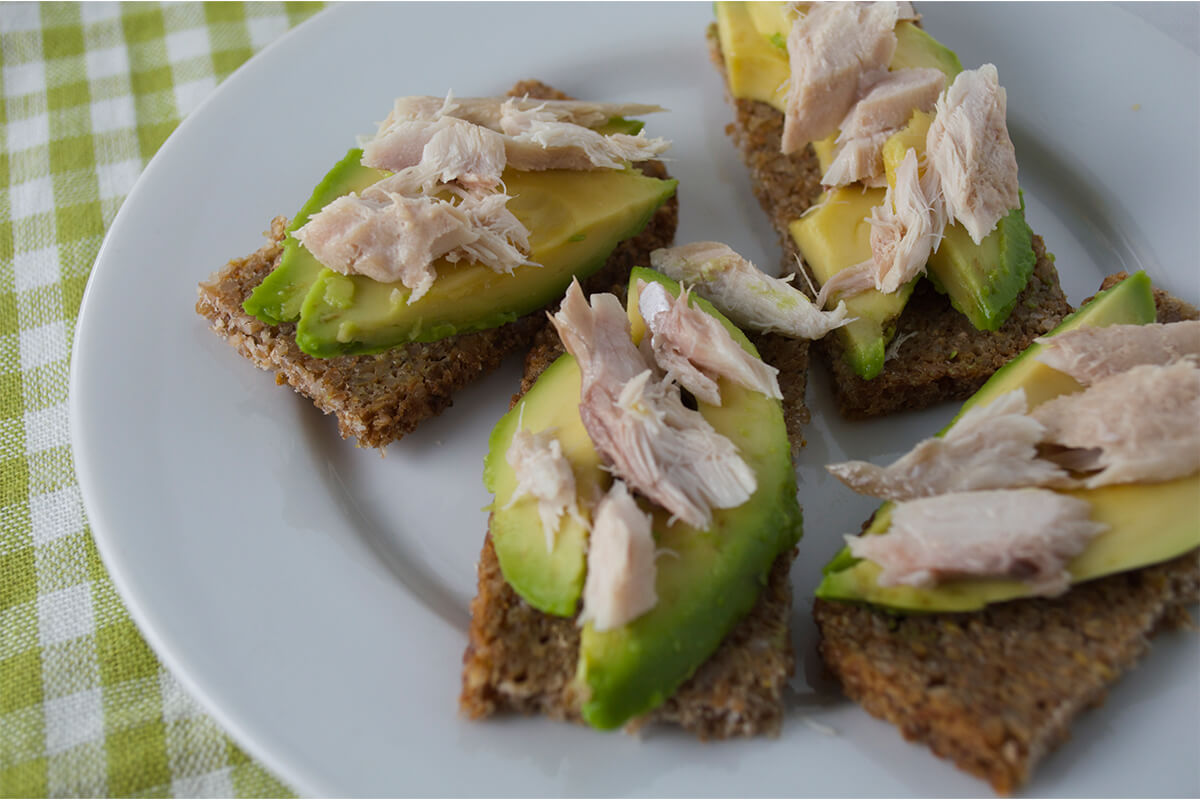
x,y
521,660
381,398
940,356
996,690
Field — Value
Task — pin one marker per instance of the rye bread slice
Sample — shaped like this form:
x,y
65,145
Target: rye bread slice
x,y
936,355
996,690
378,399
521,660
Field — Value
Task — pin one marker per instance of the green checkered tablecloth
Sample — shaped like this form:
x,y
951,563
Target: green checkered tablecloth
x,y
90,93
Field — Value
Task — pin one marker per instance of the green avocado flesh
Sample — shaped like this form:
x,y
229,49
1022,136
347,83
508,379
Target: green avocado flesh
x,y
967,272
836,236
1130,302
575,220
982,281
550,581
1147,523
710,579
916,49
278,298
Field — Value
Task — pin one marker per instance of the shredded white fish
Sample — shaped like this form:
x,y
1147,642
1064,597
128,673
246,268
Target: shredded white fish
x,y
1024,534
971,154
544,474
990,447
487,111
519,133
400,226
889,103
695,349
858,159
639,424
450,150
1090,354
848,282
621,563
393,237
906,228
1137,426
883,110
749,297
674,456
896,344
835,52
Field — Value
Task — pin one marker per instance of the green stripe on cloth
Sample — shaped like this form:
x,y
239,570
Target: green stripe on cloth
x,y
90,92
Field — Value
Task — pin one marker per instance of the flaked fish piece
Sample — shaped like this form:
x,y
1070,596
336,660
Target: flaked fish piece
x,y
848,282
905,228
639,424
598,336
544,474
393,237
1024,534
487,111
889,103
990,447
835,51
424,154
539,140
694,348
671,454
970,152
1091,354
521,134
856,160
747,295
1137,426
621,570
560,145
882,111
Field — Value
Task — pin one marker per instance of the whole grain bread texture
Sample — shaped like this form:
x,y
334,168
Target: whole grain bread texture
x,y
996,690
378,399
936,355
521,660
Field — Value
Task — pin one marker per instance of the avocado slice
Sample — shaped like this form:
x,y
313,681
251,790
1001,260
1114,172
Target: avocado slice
x,y
916,49
1148,523
756,66
575,220
835,236
1130,302
278,298
712,578
982,280
550,581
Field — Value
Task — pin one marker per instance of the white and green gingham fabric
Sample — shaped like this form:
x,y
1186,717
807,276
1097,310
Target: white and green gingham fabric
x,y
90,91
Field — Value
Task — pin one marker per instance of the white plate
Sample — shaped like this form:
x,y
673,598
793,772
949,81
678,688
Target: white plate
x,y
314,597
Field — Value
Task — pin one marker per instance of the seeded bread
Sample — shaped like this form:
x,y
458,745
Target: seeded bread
x,y
996,690
936,355
521,660
378,399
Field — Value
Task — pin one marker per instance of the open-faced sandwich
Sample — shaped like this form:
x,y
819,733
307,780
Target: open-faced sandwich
x,y
880,161
1027,553
426,255
645,518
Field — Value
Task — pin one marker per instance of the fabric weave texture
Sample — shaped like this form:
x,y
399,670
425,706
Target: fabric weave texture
x,y
90,92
